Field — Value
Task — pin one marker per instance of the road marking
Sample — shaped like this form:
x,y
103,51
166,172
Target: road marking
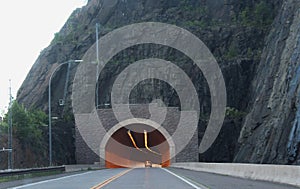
x,y
183,179
42,182
110,179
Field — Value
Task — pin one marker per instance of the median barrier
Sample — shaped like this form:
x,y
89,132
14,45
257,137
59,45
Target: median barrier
x,y
81,167
286,174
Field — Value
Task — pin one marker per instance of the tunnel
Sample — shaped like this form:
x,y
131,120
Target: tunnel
x,y
134,145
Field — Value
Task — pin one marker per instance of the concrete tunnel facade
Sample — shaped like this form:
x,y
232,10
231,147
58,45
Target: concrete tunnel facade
x,y
113,147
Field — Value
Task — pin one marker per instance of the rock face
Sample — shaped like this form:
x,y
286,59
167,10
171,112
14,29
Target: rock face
x,y
271,132
235,33
235,41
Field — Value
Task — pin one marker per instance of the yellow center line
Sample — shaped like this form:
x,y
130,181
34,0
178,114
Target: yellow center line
x,y
107,181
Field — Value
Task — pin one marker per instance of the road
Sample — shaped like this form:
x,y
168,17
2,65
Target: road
x,y
152,178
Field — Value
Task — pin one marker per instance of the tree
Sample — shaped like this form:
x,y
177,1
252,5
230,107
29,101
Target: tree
x,y
27,126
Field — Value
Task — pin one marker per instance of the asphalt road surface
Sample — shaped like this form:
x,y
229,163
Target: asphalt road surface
x,y
152,178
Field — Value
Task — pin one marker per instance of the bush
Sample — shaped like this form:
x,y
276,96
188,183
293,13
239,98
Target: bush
x,y
234,113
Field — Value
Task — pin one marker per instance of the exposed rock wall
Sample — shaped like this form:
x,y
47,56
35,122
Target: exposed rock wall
x,y
236,42
271,132
233,30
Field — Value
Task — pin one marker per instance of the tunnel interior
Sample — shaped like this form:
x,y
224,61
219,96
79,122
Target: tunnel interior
x,y
133,145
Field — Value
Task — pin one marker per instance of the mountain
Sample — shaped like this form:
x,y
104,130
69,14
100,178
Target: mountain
x,y
256,44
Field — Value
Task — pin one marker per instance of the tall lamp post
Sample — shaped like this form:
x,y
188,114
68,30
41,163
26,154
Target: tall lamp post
x,y
10,138
49,106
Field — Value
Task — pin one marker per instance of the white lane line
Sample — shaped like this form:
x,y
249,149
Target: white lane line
x,y
183,179
51,180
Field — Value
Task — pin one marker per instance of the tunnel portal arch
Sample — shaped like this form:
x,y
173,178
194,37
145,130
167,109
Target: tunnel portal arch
x,y
119,151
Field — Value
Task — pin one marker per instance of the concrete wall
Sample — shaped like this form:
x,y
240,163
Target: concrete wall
x,y
83,153
286,174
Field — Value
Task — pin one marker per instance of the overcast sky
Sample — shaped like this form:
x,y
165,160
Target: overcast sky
x,y
27,27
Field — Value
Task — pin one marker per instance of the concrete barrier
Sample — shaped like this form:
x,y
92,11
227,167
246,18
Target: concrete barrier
x,y
286,174
81,167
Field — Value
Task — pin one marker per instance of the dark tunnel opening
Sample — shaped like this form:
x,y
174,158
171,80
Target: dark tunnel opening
x,y
135,144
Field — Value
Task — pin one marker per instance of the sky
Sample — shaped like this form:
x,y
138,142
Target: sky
x,y
27,27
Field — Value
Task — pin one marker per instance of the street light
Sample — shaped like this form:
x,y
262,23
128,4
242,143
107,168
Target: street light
x,y
49,106
5,150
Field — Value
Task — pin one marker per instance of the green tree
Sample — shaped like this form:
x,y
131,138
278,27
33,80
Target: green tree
x,y
27,125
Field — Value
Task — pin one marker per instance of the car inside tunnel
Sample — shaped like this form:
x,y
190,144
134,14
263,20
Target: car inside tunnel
x,y
137,145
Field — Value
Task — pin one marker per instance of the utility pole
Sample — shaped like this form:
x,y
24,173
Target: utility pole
x,y
97,73
10,161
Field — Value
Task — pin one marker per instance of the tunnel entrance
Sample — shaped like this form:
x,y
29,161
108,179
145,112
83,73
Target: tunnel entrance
x,y
136,144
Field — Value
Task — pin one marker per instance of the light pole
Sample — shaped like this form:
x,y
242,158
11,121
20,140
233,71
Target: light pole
x,y
97,72
49,106
10,138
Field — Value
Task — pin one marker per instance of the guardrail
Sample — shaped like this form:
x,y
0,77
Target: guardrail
x,y
16,172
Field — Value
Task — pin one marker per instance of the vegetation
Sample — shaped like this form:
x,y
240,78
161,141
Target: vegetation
x,y
27,126
258,16
232,52
234,113
196,23
57,38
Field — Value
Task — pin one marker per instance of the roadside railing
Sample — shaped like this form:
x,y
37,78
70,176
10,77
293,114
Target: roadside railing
x,y
16,172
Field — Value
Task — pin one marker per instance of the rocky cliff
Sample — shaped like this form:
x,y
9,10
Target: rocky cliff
x,y
271,132
235,32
